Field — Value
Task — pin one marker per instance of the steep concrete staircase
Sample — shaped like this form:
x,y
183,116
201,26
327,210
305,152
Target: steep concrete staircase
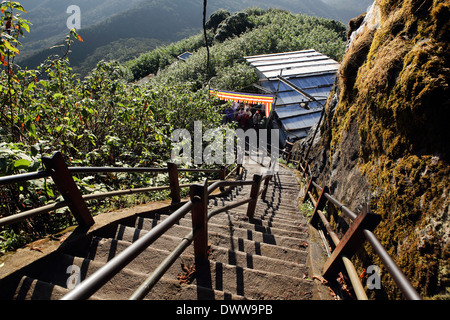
x,y
260,258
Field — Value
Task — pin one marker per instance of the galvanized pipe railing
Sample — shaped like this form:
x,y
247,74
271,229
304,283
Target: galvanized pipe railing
x,y
397,275
65,174
158,273
62,174
89,286
24,177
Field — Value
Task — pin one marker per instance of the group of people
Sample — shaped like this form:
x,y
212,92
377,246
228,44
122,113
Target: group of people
x,y
247,116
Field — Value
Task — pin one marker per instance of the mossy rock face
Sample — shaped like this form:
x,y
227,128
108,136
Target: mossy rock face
x,y
393,86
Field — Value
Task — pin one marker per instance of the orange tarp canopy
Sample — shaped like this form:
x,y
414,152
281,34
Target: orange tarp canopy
x,y
252,98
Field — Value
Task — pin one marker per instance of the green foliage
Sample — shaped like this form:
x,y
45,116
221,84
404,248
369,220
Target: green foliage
x,y
273,31
100,120
153,61
104,120
217,18
234,25
97,121
307,209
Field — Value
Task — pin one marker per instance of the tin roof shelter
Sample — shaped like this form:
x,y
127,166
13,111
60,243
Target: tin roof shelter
x,y
185,56
300,82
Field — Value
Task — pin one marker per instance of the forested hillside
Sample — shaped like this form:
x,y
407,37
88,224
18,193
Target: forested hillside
x,y
251,32
105,119
110,25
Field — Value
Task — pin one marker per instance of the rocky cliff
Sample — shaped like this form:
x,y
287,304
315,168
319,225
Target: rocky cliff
x,y
385,137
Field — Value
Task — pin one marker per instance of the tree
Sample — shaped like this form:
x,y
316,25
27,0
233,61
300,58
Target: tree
x,y
234,25
217,18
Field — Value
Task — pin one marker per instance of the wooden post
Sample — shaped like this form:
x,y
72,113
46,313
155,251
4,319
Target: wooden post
x,y
199,197
68,189
352,240
174,183
308,189
319,205
223,172
299,166
239,171
254,195
266,186
306,169
222,176
289,155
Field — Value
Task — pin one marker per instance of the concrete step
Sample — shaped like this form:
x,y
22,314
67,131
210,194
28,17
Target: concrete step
x,y
260,258
266,216
122,286
262,218
103,250
219,275
181,231
34,289
169,243
148,223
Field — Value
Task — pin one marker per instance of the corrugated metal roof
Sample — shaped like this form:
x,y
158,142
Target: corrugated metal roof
x,y
297,134
308,70
296,110
297,63
305,121
305,83
185,56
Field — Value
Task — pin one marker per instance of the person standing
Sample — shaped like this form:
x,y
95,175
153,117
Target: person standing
x,y
256,120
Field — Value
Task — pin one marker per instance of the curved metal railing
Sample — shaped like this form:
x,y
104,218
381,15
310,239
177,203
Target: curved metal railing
x,y
360,230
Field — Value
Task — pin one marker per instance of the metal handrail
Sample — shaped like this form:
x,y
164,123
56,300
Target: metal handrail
x,y
397,275
157,274
24,177
89,286
74,170
104,274
395,272
134,170
89,197
32,213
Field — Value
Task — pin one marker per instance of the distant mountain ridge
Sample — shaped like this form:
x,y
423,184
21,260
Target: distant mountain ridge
x,y
105,24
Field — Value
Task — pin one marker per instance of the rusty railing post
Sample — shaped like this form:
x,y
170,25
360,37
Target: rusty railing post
x,y
199,197
352,240
222,176
299,165
308,189
288,159
254,195
266,186
306,169
68,189
174,183
239,171
321,202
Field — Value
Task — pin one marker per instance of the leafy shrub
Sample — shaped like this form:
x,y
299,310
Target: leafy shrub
x,y
217,18
234,25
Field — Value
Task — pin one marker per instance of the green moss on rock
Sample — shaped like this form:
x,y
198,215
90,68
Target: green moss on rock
x,y
394,85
